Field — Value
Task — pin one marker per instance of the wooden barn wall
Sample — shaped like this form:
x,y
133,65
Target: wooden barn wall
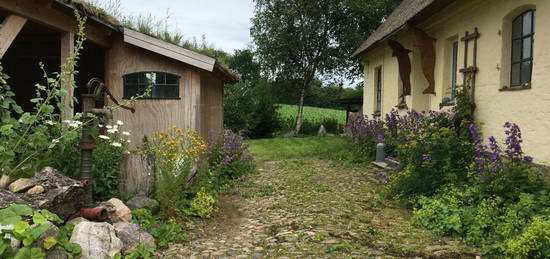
x,y
153,115
211,105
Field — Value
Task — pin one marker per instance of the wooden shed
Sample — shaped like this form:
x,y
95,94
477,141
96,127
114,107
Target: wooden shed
x,y
187,89
187,86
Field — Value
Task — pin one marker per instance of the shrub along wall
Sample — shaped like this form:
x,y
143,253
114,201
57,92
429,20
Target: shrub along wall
x,y
490,195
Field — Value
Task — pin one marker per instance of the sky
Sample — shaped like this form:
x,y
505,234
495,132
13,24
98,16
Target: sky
x,y
225,23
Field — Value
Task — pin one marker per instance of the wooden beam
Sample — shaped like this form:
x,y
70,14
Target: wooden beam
x,y
67,47
42,13
11,26
169,50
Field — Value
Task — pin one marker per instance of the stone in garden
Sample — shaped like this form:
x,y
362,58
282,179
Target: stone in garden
x,y
36,190
52,231
141,201
77,221
14,243
119,212
322,131
97,240
4,181
131,236
21,185
7,198
62,196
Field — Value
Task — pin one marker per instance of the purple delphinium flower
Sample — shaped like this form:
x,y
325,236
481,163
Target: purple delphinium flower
x,y
426,158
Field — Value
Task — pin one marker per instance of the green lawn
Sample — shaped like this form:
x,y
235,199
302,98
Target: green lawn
x,y
312,114
286,148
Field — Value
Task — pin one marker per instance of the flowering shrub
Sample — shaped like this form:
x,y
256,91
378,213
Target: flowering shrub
x,y
26,135
177,152
112,144
228,156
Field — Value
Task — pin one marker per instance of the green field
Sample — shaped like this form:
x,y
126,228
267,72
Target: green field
x,y
312,114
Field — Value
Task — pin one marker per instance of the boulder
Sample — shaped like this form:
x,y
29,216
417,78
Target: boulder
x,y
4,181
131,236
62,195
118,211
21,185
322,131
36,190
97,240
141,201
14,243
77,221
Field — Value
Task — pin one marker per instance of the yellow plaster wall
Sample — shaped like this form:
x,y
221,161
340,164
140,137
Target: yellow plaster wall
x,y
530,109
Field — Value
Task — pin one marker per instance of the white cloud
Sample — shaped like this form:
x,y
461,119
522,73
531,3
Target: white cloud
x,y
225,23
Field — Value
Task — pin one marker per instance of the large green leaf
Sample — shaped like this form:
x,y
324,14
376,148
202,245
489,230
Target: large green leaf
x,y
20,227
21,209
26,253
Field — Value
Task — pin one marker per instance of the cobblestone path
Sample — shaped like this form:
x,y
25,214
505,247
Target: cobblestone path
x,y
311,208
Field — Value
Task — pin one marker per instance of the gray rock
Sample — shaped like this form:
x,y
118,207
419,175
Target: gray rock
x,y
97,240
77,221
322,131
143,202
21,185
131,236
4,181
36,190
14,243
7,198
257,255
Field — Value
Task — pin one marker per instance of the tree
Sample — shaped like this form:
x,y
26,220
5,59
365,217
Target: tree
x,y
300,40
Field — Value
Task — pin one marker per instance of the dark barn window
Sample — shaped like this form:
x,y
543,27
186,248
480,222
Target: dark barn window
x,y
163,85
378,83
523,34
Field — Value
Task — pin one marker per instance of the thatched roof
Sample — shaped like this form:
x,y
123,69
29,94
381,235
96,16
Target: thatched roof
x,y
408,12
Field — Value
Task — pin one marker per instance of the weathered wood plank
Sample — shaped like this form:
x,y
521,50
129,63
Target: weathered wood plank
x,y
11,26
67,47
43,13
169,50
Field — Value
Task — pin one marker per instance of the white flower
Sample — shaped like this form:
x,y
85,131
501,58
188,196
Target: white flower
x,y
100,125
109,127
111,131
49,122
55,141
126,133
129,141
119,122
74,124
116,144
103,137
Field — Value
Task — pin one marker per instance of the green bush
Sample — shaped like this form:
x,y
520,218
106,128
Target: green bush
x,y
164,230
107,157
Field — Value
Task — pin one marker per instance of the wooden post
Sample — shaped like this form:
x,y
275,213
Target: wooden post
x,y
11,26
67,47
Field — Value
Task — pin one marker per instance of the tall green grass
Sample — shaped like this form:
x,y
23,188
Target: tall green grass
x,y
314,117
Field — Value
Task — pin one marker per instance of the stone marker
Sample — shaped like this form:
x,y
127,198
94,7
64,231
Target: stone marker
x,y
97,240
322,131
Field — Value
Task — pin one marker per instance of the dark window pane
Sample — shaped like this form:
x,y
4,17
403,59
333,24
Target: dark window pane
x,y
517,27
172,79
515,74
130,90
172,91
131,79
525,72
161,78
516,50
527,42
142,78
527,23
